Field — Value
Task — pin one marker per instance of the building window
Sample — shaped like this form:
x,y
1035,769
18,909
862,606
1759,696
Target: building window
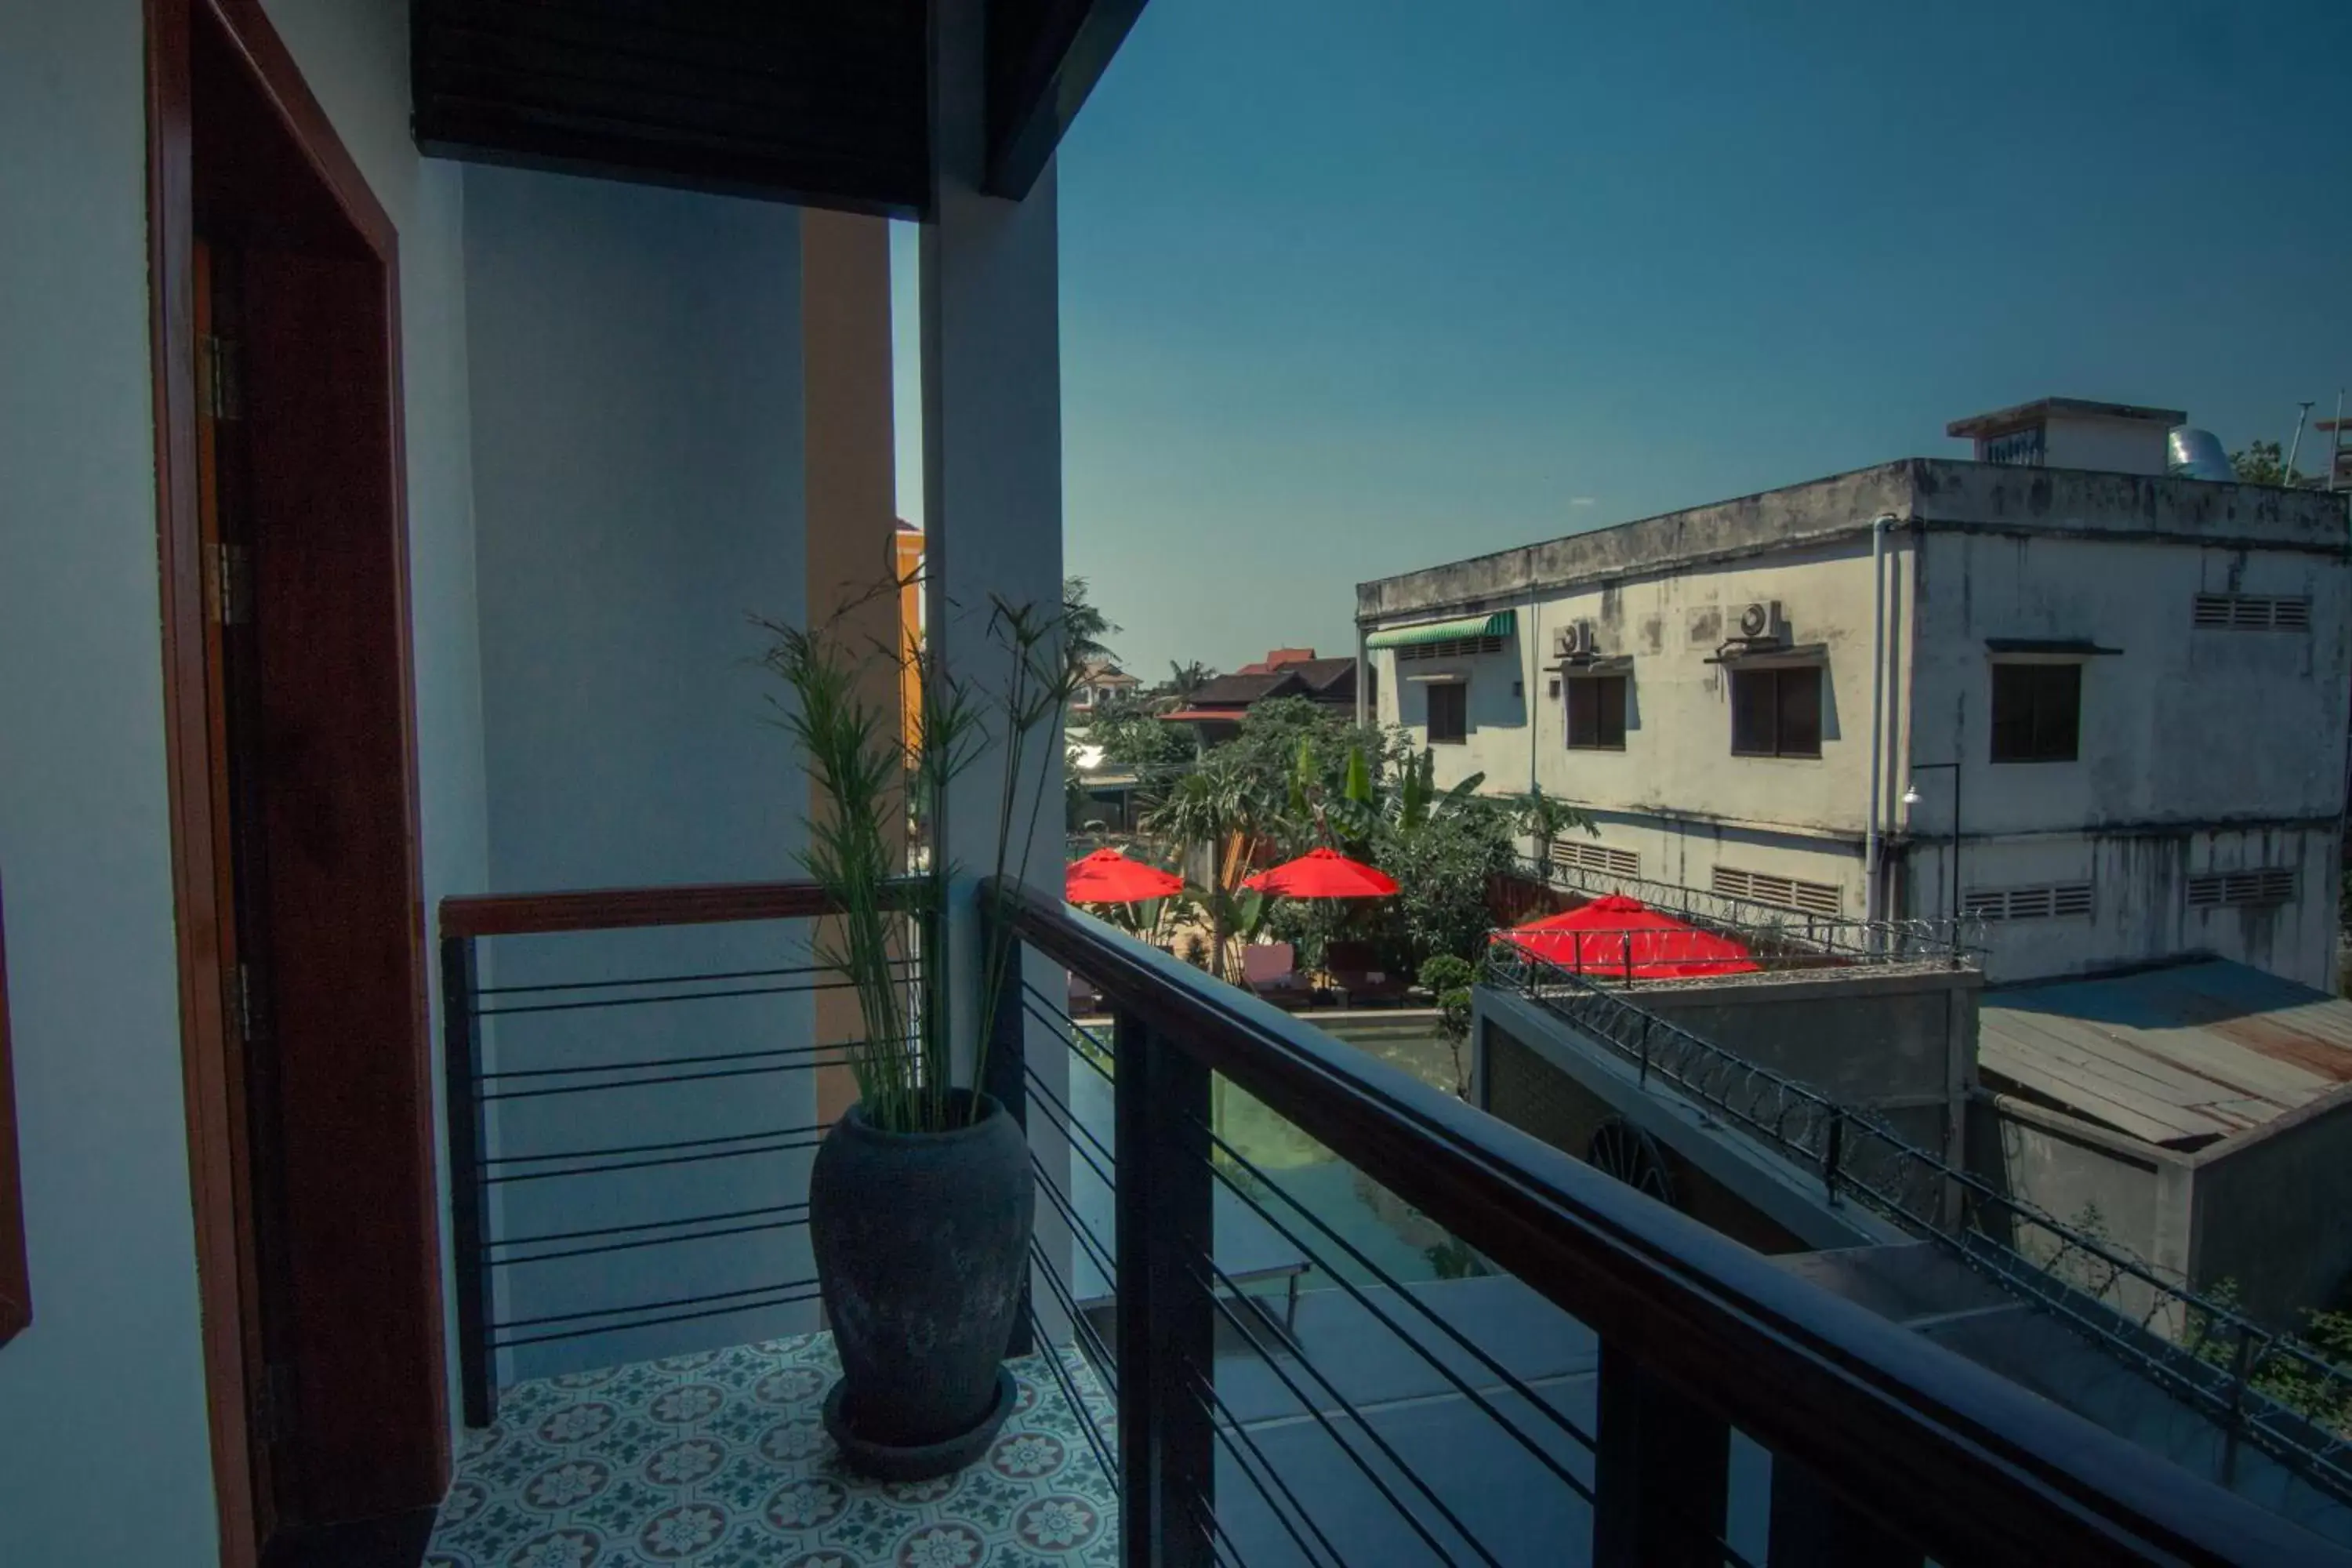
x,y
1777,713
2053,900
1449,712
2252,612
1583,854
2037,712
1781,892
2260,889
1596,713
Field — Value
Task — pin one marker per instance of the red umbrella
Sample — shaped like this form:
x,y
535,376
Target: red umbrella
x,y
1108,877
1324,874
1616,935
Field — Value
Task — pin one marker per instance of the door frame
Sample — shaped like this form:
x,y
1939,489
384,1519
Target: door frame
x,y
195,770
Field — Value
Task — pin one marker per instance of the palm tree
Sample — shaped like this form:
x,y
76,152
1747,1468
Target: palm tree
x,y
1220,809
1084,628
1184,679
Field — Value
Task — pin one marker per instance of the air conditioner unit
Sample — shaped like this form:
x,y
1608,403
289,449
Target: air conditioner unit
x,y
1573,640
1762,621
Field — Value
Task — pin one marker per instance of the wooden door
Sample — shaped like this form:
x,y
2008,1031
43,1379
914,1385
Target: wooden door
x,y
233,716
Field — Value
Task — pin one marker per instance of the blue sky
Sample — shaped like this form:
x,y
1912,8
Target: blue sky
x,y
1352,287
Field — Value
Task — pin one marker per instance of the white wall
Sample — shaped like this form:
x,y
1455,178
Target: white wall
x,y
635,367
2201,749
107,1382
1677,757
2185,724
2107,446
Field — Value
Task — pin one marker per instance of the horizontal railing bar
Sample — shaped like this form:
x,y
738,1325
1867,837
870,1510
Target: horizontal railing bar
x,y
1447,1373
647,1241
1314,1408
1067,1121
1079,1227
710,978
1078,1324
607,1002
1059,1022
648,1064
1955,1458
1233,1434
515,1177
803,1064
1221,1545
645,1224
626,909
661,1148
736,1310
705,1297
1065,1128
1051,1355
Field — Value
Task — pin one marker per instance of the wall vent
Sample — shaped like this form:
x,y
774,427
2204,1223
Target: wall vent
x,y
2242,890
2051,900
1451,648
1586,856
1781,892
2252,612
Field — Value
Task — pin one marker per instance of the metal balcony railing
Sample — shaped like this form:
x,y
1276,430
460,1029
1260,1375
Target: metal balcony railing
x,y
1553,1368
1782,938
2260,1387
618,1162
1244,1439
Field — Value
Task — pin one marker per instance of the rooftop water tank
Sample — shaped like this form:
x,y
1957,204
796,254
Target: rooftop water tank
x,y
2194,454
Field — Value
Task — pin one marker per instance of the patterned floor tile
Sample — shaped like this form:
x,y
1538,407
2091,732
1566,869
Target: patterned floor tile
x,y
721,1460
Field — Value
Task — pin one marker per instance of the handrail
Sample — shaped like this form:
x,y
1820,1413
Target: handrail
x,y
1961,1460
625,909
1879,941
1810,1130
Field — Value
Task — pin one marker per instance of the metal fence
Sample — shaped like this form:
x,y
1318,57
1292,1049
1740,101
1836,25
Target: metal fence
x,y
1782,938
2262,1388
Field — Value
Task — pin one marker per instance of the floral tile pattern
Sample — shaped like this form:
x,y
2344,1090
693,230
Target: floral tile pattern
x,y
721,1460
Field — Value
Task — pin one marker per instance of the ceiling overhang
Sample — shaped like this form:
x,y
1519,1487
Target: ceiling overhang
x,y
819,104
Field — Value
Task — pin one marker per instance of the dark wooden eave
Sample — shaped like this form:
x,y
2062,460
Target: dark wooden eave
x,y
825,104
1044,58
820,102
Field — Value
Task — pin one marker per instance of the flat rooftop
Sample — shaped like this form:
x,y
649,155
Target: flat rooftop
x,y
2000,421
1928,494
2182,1056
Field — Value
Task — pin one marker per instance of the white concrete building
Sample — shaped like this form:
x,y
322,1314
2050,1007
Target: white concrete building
x,y
2103,711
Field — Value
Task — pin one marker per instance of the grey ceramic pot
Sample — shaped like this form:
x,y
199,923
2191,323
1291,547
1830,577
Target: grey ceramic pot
x,y
922,1248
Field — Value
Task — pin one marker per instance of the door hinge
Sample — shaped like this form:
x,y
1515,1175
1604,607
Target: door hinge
x,y
244,997
228,583
273,1415
220,391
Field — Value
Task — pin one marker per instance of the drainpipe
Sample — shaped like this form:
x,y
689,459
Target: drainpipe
x,y
1870,878
1364,714
1534,645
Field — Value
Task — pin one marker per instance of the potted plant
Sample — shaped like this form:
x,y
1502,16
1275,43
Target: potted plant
x,y
921,1198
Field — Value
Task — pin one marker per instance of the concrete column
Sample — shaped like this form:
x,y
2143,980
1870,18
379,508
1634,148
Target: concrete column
x,y
850,482
992,523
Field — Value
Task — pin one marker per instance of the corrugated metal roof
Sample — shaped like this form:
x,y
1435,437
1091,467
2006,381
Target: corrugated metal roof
x,y
2180,1056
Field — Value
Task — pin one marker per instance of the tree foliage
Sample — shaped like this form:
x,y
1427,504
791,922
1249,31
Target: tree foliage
x,y
2264,463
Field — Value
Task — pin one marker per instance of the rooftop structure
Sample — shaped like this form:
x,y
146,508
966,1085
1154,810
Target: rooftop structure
x,y
1218,704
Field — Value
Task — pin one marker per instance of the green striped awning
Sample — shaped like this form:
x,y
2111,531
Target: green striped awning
x,y
1497,624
